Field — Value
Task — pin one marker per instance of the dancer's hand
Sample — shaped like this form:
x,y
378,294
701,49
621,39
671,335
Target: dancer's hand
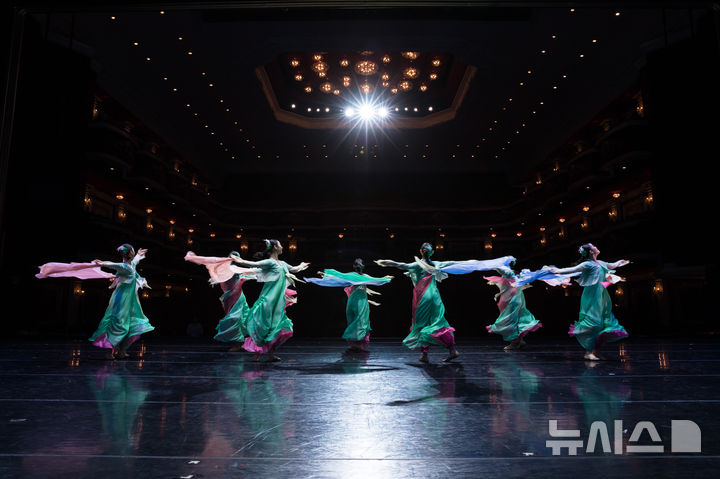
x,y
142,251
322,274
380,262
235,256
97,262
389,276
303,266
622,262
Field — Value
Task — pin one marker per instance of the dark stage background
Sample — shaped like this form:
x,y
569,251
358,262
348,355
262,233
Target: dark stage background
x,y
77,145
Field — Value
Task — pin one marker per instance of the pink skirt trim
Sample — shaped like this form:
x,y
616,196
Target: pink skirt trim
x,y
102,342
609,337
445,336
250,346
530,330
363,344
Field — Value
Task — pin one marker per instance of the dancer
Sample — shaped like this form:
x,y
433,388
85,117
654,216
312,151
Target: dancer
x,y
515,321
124,321
429,326
231,328
267,324
597,324
357,311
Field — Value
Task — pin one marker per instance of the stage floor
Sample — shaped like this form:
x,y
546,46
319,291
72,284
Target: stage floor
x,y
194,410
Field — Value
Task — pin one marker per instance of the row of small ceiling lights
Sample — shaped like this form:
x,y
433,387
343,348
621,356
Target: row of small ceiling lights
x,y
235,124
492,128
334,110
221,144
211,132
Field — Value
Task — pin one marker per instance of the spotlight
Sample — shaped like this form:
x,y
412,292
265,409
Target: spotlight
x,y
349,112
366,112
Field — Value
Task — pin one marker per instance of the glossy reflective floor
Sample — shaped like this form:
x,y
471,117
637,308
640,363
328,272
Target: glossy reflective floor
x,y
191,410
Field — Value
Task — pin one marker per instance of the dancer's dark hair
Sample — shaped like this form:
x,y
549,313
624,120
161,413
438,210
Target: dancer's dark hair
x,y
269,245
427,251
125,250
358,265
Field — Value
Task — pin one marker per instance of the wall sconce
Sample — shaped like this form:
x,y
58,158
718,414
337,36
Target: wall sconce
x,y
293,245
640,108
543,240
148,224
171,234
121,214
87,202
78,290
95,108
244,246
488,245
585,224
658,287
613,213
145,295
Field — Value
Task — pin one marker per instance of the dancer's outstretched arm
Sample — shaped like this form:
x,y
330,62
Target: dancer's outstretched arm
x,y
572,269
139,256
387,263
112,265
248,264
298,268
618,264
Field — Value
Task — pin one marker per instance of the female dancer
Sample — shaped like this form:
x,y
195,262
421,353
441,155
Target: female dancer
x,y
267,323
357,311
231,328
515,321
429,325
124,320
597,324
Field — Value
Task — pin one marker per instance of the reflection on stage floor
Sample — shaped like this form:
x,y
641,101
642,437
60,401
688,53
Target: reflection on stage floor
x,y
191,410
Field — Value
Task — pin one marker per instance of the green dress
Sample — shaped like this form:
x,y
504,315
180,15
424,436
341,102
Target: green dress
x,y
357,310
429,326
596,324
124,320
515,320
231,327
267,325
